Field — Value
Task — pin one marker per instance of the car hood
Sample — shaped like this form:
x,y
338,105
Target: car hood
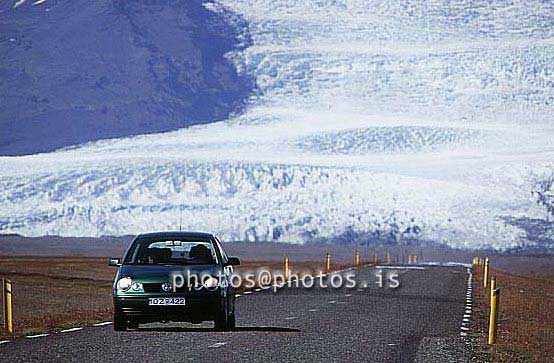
x,y
164,272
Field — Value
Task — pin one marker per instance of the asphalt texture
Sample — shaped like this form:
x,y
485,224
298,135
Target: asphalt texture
x,y
419,321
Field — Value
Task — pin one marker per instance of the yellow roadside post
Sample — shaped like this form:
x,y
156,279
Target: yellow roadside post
x,y
286,262
7,305
328,262
414,259
493,285
357,258
486,273
388,258
409,259
375,259
493,317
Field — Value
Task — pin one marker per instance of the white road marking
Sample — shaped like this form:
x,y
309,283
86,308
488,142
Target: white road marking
x,y
312,310
467,315
247,292
36,336
4,341
237,295
290,318
332,302
257,290
348,295
217,345
102,324
266,287
70,330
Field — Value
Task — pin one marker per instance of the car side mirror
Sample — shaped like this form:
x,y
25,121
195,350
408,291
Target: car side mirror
x,y
115,262
233,261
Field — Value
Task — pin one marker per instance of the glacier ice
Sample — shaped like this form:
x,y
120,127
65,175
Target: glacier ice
x,y
372,117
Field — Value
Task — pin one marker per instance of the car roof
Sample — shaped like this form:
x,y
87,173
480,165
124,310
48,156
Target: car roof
x,y
176,234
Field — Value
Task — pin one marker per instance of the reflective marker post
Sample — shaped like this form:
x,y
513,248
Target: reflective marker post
x,y
7,305
493,317
486,273
286,262
493,286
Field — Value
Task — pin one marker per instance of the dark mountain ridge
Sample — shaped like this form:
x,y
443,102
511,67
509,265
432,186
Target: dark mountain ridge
x,y
78,71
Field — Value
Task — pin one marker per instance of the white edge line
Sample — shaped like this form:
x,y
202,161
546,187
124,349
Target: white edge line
x,y
102,324
4,341
217,345
36,336
71,330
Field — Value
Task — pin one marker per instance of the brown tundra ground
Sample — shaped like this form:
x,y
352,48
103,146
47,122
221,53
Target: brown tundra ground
x,y
61,282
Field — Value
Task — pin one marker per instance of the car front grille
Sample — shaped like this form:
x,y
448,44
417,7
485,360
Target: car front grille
x,y
151,287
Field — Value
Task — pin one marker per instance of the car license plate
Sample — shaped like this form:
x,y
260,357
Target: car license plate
x,y
164,301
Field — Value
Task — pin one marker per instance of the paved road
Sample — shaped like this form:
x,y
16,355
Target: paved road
x,y
419,321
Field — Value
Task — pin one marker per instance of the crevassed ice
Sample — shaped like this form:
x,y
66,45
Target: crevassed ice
x,y
387,118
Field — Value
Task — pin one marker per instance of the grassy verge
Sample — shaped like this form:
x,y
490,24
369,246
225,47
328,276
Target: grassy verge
x,y
526,316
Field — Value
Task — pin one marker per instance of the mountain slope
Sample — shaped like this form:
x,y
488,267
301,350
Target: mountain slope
x,y
78,71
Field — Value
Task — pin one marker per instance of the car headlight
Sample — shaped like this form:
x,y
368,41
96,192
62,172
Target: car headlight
x,y
124,283
210,282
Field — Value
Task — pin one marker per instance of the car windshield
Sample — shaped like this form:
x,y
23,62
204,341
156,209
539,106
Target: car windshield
x,y
171,252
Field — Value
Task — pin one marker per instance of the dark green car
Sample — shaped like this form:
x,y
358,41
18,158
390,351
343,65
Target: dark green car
x,y
174,277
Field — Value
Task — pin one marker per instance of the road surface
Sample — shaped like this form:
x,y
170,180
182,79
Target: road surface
x,y
420,321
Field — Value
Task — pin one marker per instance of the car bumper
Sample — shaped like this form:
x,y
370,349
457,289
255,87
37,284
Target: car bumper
x,y
196,309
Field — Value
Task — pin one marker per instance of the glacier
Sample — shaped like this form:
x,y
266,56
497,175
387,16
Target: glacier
x,y
412,119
